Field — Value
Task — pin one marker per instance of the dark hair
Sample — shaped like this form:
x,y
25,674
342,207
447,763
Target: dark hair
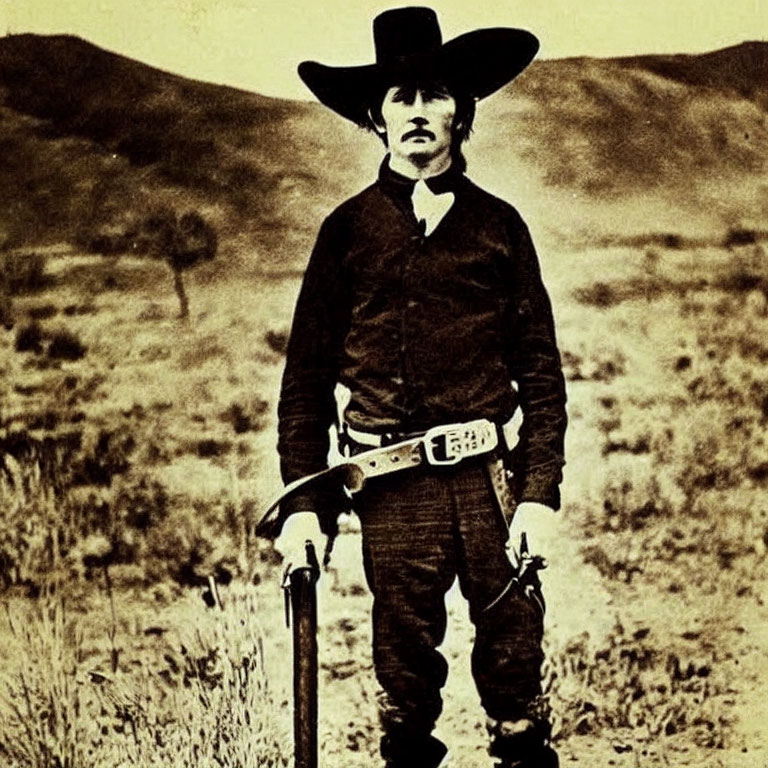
x,y
462,121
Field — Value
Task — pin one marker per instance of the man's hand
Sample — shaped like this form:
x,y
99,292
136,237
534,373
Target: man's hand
x,y
538,522
298,529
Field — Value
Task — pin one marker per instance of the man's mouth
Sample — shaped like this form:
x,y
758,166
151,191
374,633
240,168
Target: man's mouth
x,y
418,133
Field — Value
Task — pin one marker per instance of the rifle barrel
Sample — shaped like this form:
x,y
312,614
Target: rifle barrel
x,y
304,609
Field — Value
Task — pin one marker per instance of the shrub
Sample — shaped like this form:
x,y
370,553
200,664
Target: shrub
x,y
65,345
209,448
79,309
25,272
277,341
42,312
598,294
29,338
247,417
739,236
39,521
671,240
110,244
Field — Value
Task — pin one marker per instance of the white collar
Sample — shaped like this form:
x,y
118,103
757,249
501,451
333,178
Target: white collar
x,y
429,207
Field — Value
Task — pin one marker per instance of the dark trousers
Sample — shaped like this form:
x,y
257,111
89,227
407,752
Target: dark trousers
x,y
421,528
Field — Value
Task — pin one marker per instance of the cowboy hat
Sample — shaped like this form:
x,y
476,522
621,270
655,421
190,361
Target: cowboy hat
x,y
408,41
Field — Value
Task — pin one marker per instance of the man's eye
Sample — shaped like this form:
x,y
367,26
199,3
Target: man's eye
x,y
436,94
403,94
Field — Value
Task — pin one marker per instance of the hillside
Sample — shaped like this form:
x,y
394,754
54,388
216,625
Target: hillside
x,y
92,140
742,69
114,138
686,134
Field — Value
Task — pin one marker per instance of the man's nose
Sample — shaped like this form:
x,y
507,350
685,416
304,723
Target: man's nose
x,y
417,109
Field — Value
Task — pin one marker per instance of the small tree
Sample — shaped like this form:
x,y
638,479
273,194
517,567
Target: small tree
x,y
183,242
195,241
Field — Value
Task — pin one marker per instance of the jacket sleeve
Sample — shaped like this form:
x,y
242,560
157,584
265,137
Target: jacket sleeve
x,y
536,368
307,406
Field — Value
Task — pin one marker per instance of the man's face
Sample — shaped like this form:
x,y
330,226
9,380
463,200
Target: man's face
x,y
418,121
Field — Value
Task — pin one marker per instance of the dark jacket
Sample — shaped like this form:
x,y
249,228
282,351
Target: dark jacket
x,y
423,331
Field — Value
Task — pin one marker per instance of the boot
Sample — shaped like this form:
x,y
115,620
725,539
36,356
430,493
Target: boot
x,y
521,744
424,752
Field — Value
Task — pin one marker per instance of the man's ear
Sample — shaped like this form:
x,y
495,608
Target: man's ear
x,y
377,125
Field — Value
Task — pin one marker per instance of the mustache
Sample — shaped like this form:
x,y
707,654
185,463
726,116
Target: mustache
x,y
416,132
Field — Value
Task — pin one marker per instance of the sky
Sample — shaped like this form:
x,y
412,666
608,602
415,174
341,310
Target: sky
x,y
257,44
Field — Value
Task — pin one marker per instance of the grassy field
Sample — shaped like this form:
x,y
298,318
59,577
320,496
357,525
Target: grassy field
x,y
137,449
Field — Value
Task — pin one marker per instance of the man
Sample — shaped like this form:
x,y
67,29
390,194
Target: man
x,y
423,298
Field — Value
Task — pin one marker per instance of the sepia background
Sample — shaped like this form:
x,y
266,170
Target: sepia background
x,y
163,174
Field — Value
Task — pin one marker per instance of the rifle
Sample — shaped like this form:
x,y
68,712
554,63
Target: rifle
x,y
301,601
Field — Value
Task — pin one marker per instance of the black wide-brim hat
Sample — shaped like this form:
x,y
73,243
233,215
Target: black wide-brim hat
x,y
408,44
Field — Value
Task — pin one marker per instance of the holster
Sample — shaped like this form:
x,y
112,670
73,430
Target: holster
x,y
501,479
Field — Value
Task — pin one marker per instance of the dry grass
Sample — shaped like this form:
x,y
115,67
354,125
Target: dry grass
x,y
636,685
205,701
45,724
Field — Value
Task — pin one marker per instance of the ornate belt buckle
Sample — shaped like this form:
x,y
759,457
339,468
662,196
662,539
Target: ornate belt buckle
x,y
450,443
